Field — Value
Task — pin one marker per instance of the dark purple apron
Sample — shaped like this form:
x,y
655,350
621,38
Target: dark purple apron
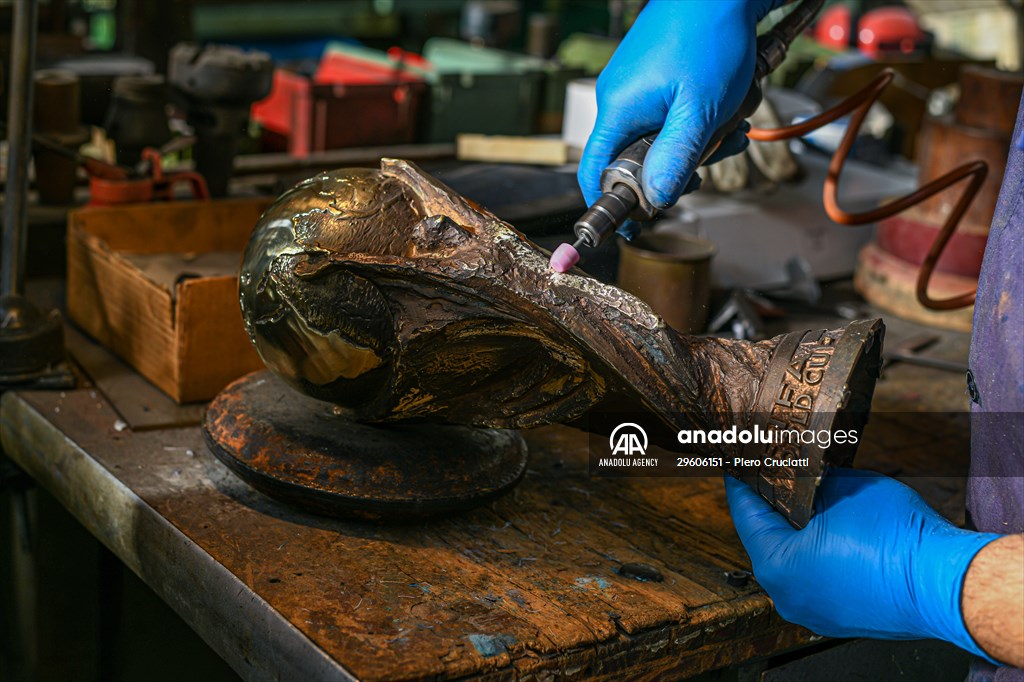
x,y
995,492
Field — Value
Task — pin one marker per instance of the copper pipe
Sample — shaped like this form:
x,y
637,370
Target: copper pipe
x,y
859,103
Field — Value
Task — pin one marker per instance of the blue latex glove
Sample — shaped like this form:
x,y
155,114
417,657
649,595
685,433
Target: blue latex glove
x,y
683,68
875,560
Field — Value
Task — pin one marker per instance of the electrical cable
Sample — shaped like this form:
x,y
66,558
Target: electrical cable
x,y
859,103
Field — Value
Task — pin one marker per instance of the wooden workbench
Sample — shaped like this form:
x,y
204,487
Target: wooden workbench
x,y
528,584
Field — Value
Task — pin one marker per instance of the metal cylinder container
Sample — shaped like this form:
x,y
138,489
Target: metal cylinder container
x,y
672,273
57,115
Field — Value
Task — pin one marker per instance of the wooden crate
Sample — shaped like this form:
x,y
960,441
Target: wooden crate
x,y
187,338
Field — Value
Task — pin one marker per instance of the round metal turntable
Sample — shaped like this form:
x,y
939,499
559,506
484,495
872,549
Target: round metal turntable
x,y
309,454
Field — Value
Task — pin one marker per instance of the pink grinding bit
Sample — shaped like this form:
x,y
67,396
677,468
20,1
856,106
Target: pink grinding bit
x,y
564,258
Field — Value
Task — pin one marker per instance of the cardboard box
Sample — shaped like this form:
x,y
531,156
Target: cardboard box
x,y
185,334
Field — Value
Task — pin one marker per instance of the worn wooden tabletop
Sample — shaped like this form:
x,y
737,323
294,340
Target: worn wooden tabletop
x,y
528,584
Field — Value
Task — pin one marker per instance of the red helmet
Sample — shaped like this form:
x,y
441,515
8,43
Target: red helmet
x,y
833,28
881,31
887,30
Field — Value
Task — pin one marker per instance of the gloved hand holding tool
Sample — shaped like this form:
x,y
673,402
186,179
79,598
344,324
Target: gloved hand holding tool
x,y
884,563
695,88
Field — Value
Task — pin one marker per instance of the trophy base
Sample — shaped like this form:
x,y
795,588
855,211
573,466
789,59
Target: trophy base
x,y
309,454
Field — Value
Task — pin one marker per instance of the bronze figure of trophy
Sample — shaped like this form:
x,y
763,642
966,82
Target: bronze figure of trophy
x,y
408,334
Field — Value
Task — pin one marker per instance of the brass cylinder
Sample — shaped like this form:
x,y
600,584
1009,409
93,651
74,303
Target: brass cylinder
x,y
57,103
672,273
56,115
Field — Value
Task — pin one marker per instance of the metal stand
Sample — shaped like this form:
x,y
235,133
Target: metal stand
x,y
31,343
306,453
31,356
217,85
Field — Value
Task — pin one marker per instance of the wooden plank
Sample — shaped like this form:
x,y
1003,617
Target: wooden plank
x,y
542,151
527,585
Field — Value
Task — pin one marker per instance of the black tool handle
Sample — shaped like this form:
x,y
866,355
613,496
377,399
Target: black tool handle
x,y
622,186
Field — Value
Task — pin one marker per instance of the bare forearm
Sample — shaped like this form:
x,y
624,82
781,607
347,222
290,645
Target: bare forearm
x,y
993,599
